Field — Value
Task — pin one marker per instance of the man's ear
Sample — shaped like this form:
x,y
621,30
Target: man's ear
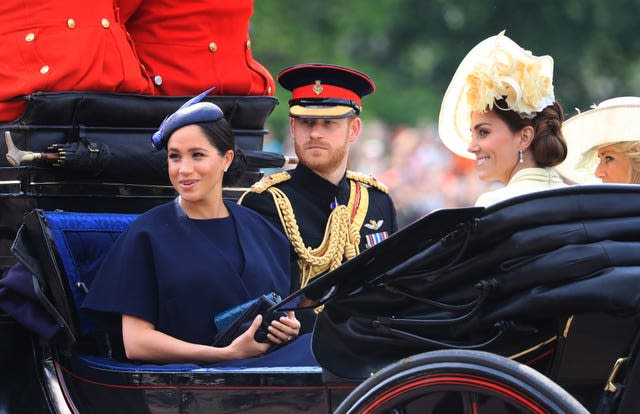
x,y
292,123
355,126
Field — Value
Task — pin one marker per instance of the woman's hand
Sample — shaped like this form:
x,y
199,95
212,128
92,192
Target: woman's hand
x,y
245,346
285,329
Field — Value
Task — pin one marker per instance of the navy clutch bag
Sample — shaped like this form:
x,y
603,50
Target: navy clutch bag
x,y
235,321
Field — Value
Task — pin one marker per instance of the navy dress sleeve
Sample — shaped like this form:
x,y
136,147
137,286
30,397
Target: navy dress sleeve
x,y
128,276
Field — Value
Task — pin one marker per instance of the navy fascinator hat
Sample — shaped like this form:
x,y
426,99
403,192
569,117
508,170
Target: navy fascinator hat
x,y
192,112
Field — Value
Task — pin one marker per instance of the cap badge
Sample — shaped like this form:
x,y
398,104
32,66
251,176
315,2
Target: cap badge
x,y
317,88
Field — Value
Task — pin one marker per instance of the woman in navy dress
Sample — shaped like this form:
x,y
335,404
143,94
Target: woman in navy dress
x,y
181,263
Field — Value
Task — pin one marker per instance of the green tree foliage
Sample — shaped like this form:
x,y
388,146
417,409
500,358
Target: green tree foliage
x,y
412,47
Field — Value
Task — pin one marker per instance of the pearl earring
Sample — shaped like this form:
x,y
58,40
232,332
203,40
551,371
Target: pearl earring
x,y
521,159
226,168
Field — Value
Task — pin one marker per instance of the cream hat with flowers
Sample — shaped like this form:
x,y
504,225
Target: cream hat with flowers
x,y
495,68
614,120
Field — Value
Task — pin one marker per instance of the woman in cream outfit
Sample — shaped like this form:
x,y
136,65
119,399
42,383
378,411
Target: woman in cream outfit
x,y
500,109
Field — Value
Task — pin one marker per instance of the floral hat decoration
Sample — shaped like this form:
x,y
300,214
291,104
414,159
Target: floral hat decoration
x,y
612,121
496,68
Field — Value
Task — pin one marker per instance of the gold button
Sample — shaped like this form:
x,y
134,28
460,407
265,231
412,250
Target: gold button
x,y
105,23
248,44
71,23
29,37
44,70
213,47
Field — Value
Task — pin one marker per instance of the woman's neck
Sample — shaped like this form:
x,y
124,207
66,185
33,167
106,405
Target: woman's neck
x,y
201,210
527,163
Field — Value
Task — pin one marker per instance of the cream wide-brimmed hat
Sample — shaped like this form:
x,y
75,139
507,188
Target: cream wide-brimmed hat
x,y
495,68
614,120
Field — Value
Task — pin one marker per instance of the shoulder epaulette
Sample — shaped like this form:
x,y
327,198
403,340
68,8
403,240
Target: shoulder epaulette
x,y
269,180
368,180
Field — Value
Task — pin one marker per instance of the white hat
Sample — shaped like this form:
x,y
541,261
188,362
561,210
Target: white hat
x,y
495,68
614,120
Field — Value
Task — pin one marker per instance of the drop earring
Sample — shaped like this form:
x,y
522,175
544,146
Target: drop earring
x,y
521,158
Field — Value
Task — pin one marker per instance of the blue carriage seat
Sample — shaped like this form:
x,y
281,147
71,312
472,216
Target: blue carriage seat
x,y
81,242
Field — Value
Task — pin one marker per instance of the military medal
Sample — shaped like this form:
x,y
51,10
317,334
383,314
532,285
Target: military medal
x,y
375,238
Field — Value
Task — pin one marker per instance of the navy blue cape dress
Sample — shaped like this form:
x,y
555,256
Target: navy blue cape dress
x,y
166,269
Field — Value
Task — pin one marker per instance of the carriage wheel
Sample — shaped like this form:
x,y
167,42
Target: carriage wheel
x,y
459,381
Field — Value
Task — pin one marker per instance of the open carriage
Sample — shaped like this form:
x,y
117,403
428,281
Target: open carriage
x,y
527,306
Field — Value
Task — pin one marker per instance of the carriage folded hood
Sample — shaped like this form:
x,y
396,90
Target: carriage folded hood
x,y
503,280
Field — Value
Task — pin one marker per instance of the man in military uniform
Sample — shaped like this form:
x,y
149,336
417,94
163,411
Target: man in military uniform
x,y
328,213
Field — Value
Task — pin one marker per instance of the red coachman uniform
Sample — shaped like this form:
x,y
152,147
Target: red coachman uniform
x,y
188,46
54,45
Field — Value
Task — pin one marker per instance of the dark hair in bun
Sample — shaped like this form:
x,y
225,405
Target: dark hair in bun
x,y
220,135
548,145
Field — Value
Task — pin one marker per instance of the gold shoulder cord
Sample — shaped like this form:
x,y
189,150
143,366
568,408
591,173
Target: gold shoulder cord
x,y
368,180
341,236
265,183
342,232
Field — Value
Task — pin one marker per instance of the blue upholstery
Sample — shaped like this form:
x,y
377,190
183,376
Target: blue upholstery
x,y
82,241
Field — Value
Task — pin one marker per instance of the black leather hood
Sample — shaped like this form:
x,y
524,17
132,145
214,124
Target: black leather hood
x,y
501,280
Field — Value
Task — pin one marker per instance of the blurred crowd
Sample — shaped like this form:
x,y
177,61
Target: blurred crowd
x,y
421,173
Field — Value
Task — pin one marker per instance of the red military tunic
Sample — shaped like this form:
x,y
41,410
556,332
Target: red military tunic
x,y
188,46
56,45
